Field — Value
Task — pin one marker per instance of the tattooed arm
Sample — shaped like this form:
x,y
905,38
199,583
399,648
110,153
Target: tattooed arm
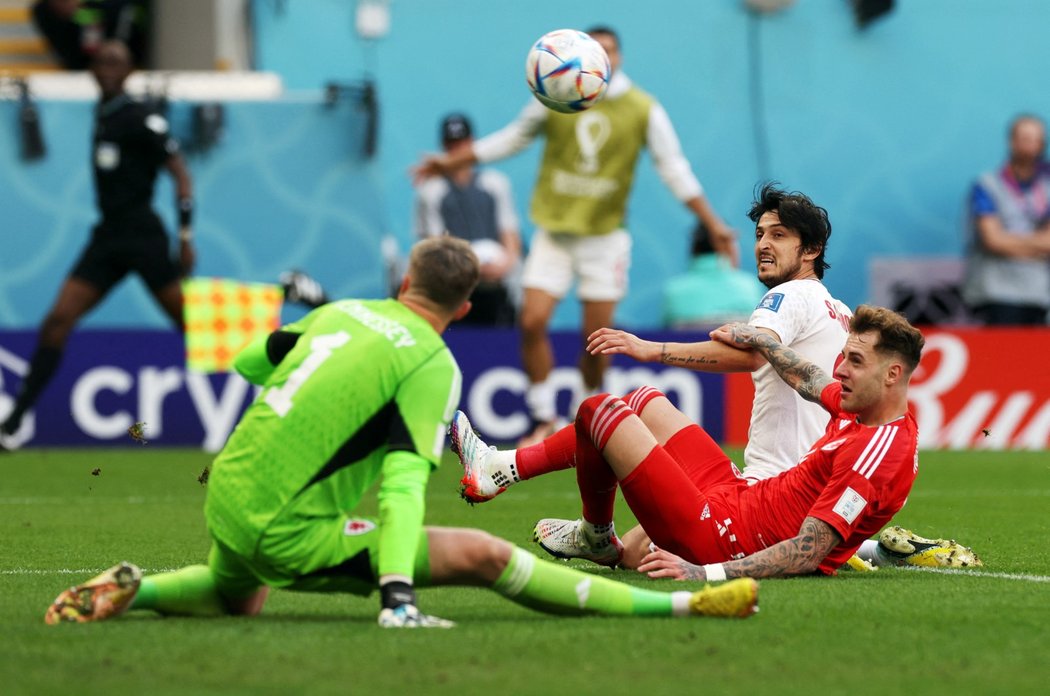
x,y
800,555
799,374
703,356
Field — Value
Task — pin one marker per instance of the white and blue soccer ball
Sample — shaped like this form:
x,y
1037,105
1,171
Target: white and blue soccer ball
x,y
567,70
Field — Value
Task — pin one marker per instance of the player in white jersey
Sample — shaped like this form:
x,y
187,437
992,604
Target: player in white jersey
x,y
805,316
791,236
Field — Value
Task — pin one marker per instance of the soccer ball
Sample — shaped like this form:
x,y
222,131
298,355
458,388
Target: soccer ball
x,y
567,70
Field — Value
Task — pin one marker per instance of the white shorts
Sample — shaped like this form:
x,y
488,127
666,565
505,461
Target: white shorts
x,y
599,262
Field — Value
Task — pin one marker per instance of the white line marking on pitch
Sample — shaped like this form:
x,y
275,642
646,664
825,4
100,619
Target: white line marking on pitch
x,y
65,500
941,571
1024,577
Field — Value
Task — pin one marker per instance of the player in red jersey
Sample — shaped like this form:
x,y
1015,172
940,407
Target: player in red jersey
x,y
706,521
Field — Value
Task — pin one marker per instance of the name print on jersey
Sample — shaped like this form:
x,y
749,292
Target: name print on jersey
x,y
395,332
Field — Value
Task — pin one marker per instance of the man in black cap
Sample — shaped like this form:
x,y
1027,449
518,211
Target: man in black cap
x,y
475,205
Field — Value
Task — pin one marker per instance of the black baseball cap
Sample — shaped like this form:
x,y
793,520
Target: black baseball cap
x,y
455,127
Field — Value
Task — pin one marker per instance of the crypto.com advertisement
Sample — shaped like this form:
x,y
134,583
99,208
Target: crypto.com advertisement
x,y
113,381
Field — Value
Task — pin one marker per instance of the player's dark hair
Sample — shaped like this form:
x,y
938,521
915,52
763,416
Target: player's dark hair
x,y
797,212
896,335
606,30
445,270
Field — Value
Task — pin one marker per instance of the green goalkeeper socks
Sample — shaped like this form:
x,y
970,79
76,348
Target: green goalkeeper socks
x,y
187,591
558,589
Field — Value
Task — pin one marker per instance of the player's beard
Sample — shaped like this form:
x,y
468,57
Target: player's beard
x,y
782,273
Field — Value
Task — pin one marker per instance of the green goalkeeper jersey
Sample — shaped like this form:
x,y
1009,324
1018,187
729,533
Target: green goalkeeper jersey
x,y
366,392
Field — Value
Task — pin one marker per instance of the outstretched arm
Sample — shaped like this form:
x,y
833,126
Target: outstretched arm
x,y
723,238
511,139
703,356
443,164
799,374
799,555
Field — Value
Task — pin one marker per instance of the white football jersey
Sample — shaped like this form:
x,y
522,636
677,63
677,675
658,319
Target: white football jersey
x,y
784,425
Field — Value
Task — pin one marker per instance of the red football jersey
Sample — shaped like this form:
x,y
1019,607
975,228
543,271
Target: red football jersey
x,y
855,478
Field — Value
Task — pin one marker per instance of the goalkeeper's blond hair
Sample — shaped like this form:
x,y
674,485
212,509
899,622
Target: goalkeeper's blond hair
x,y
444,270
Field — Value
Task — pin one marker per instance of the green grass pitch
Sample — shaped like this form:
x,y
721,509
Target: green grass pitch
x,y
889,632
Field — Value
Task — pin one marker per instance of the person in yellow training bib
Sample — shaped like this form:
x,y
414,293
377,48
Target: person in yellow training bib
x,y
579,208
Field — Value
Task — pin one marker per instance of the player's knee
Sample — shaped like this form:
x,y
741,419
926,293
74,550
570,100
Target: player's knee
x,y
593,414
638,399
589,408
247,606
533,325
484,555
599,416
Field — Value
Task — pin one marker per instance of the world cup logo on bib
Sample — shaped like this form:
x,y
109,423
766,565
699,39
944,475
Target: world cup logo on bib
x,y
592,132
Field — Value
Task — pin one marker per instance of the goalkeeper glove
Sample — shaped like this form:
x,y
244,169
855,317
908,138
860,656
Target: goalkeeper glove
x,y
399,608
408,616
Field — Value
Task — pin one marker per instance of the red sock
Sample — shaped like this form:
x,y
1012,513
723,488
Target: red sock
x,y
641,396
555,453
596,420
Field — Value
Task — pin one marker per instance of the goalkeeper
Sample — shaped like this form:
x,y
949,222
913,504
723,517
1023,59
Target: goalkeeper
x,y
356,392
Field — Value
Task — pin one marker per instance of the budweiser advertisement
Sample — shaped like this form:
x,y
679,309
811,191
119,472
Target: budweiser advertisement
x,y
976,388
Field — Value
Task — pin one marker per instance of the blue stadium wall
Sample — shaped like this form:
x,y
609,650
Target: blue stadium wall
x,y
885,127
287,186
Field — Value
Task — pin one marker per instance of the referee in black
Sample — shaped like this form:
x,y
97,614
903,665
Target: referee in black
x,y
131,143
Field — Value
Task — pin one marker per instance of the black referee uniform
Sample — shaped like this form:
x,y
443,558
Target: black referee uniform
x,y
131,143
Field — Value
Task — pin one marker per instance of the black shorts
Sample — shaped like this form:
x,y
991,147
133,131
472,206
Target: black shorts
x,y
138,245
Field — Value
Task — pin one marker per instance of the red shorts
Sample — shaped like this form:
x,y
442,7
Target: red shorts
x,y
670,494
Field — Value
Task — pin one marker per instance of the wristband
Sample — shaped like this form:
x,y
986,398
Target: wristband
x,y
185,235
395,593
715,572
185,211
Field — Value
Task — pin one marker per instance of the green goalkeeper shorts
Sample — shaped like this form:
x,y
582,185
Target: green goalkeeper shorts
x,y
340,554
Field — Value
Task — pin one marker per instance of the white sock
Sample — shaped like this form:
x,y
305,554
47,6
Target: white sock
x,y
503,468
597,534
680,603
539,399
872,552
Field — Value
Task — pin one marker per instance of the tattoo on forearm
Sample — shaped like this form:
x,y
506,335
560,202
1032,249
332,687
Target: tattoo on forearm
x,y
691,571
669,358
803,376
796,556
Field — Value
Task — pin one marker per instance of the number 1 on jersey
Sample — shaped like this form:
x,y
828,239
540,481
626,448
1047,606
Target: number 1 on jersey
x,y
321,348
